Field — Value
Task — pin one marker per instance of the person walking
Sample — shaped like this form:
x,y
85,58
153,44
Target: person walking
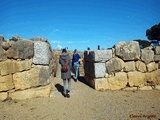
x,y
65,62
75,62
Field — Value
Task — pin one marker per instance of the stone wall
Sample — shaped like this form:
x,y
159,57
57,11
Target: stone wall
x,y
125,66
25,68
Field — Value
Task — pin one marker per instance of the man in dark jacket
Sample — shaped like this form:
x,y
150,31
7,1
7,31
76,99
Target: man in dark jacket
x,y
66,76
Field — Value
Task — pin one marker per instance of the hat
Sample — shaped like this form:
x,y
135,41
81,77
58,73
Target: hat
x,y
75,51
64,51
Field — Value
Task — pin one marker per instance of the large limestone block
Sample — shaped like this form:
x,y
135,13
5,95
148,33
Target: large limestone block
x,y
118,82
22,49
90,80
1,38
22,65
7,67
140,66
100,55
146,88
153,76
3,96
128,50
152,66
39,39
129,66
101,84
43,91
86,55
87,67
42,53
156,57
157,50
2,54
136,79
39,75
5,45
97,70
147,56
13,66
114,65
6,83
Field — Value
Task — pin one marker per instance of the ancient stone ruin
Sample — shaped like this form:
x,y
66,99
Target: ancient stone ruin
x,y
125,66
25,68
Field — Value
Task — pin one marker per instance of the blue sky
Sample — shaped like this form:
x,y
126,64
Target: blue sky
x,y
78,24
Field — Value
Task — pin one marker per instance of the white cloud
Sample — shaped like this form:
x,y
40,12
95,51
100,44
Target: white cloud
x,y
69,42
84,41
56,30
56,42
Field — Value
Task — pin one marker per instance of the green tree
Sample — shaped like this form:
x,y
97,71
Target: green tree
x,y
153,34
143,43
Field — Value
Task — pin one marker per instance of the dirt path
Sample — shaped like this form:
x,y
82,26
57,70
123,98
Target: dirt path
x,y
85,104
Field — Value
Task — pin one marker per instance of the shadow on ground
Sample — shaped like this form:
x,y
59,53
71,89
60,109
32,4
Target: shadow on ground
x,y
59,88
81,79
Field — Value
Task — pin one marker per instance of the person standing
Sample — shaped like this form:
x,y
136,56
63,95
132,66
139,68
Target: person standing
x,y
75,62
65,74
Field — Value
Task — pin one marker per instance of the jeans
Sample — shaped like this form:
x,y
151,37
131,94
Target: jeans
x,y
65,85
76,68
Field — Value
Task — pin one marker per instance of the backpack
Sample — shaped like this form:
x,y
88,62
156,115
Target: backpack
x,y
65,66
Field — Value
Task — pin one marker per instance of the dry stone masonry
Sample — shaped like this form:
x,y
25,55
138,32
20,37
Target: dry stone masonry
x,y
125,66
25,68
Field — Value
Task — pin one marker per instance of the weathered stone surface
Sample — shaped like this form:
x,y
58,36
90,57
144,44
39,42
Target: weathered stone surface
x,y
147,56
13,66
6,83
3,96
157,87
87,67
153,76
23,65
146,88
86,54
2,54
128,50
99,55
7,67
130,88
101,84
140,66
22,49
156,57
39,75
129,66
16,38
136,78
42,53
43,91
152,66
109,75
158,65
5,45
97,70
157,50
42,39
118,82
114,65
1,38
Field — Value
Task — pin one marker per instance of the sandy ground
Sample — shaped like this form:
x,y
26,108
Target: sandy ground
x,y
85,104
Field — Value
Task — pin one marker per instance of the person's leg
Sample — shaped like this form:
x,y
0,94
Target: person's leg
x,y
64,87
69,85
76,66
